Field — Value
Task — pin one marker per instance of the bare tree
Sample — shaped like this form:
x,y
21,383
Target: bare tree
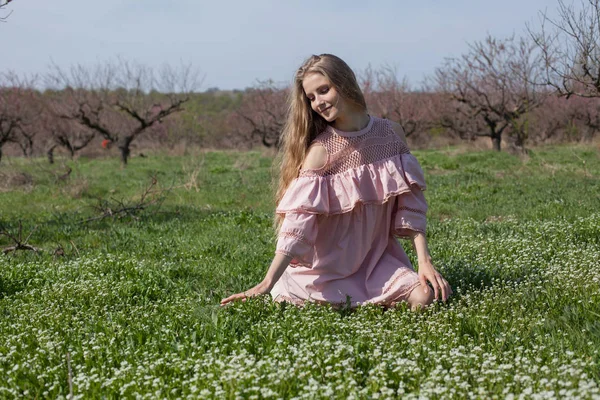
x,y
583,116
30,125
262,113
394,99
570,47
491,87
60,132
9,120
3,4
67,134
17,111
122,100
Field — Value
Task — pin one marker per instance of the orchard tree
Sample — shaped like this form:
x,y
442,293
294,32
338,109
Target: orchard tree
x,y
9,118
491,87
122,100
30,126
3,4
390,97
18,112
261,114
570,47
583,115
64,133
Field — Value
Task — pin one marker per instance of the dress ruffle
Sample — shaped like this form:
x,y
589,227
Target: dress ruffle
x,y
372,183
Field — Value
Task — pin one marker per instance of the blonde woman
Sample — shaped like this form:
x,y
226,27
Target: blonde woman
x,y
348,187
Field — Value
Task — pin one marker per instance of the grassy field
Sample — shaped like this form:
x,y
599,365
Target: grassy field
x,y
127,307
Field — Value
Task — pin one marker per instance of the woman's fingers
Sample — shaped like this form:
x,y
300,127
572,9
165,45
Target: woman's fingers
x,y
423,281
448,288
441,288
228,299
255,291
439,285
445,287
436,286
233,297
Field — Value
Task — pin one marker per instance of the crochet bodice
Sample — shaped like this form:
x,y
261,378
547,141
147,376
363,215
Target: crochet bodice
x,y
347,150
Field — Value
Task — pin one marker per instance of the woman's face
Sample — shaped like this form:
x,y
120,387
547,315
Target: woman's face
x,y
323,97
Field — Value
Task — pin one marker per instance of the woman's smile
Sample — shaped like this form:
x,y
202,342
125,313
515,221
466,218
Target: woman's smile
x,y
322,96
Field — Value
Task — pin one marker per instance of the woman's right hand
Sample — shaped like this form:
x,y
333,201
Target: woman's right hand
x,y
278,265
257,290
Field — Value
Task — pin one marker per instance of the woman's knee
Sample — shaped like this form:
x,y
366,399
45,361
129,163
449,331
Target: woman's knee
x,y
419,298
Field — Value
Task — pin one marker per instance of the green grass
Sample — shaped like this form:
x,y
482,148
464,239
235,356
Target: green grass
x,y
134,301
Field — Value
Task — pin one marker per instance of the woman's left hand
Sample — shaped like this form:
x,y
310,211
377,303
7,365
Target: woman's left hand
x,y
257,290
427,273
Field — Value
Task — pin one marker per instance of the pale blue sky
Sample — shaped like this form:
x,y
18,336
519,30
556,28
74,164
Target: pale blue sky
x,y
234,43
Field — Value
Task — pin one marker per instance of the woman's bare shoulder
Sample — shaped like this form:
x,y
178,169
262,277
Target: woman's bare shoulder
x,y
316,157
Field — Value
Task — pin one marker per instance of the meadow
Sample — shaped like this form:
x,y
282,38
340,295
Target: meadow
x,y
127,306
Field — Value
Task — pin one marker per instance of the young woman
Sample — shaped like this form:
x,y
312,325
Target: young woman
x,y
348,187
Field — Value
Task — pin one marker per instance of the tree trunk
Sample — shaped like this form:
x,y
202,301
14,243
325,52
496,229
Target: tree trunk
x,y
50,154
496,141
70,148
125,150
27,146
124,155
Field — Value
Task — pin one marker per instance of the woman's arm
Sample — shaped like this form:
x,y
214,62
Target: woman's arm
x,y
294,223
427,272
278,266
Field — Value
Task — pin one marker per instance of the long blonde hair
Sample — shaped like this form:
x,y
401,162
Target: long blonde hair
x,y
303,124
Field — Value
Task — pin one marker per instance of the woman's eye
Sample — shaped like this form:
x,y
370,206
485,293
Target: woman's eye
x,y
324,90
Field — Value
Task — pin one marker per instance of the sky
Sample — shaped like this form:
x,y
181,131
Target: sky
x,y
234,44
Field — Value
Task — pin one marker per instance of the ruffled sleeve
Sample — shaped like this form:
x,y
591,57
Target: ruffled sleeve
x,y
410,214
411,207
297,238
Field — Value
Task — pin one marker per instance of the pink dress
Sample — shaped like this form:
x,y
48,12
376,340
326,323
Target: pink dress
x,y
341,221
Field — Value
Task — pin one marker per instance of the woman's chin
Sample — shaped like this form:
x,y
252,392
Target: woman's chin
x,y
330,117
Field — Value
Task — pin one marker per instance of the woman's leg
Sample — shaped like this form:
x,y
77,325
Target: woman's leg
x,y
419,299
